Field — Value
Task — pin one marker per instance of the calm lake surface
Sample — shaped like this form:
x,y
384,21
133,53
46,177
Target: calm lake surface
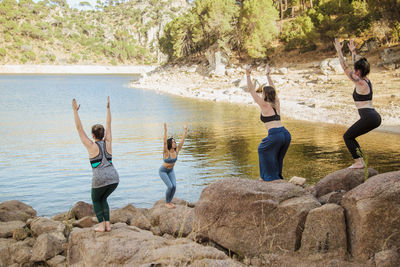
x,y
45,165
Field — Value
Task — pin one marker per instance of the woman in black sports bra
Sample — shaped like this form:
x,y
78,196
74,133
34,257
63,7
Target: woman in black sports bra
x,y
362,95
272,148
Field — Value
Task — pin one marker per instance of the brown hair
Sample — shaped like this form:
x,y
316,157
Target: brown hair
x,y
269,94
98,131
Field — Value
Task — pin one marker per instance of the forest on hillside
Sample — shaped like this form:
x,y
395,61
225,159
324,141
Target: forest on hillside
x,y
149,31
253,28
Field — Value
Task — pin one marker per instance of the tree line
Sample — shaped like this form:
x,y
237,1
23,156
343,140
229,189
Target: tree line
x,y
252,28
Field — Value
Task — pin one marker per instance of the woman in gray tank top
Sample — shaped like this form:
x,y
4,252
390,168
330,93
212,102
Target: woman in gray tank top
x,y
105,176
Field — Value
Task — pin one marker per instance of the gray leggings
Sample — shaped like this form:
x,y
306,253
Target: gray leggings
x,y
168,177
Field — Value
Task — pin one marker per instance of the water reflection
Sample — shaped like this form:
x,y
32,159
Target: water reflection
x,y
45,165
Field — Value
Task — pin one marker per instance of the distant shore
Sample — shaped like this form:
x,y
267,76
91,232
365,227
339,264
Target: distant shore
x,y
304,92
75,69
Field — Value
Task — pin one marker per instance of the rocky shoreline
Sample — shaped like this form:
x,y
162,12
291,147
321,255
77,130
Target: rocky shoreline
x,y
349,218
315,92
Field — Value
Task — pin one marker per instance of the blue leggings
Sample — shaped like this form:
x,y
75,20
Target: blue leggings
x,y
168,177
271,152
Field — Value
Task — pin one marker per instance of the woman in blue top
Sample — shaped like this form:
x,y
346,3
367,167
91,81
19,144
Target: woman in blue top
x,y
170,156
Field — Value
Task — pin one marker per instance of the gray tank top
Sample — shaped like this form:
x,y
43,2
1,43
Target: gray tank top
x,y
104,172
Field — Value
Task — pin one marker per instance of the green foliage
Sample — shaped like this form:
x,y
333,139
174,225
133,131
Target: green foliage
x,y
28,56
334,18
396,32
299,33
7,37
3,52
258,26
74,58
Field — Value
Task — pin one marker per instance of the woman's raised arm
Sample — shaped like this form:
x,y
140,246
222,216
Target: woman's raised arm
x,y
250,85
183,137
349,72
82,135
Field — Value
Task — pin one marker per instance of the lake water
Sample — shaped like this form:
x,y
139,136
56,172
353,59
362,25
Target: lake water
x,y
45,165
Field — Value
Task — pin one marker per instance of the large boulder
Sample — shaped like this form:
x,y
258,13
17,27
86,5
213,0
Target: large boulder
x,y
82,209
7,228
325,231
372,213
176,222
5,244
47,246
217,61
130,246
390,56
253,217
21,252
345,179
42,225
15,210
331,66
130,215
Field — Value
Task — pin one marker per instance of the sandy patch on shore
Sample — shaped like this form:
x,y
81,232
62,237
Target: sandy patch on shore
x,y
305,93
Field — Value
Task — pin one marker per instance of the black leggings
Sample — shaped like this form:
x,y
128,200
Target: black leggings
x,y
369,120
100,205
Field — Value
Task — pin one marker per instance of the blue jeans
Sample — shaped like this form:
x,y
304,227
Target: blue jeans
x,y
271,152
168,177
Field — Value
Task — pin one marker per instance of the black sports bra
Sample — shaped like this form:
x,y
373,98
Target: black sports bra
x,y
358,97
275,117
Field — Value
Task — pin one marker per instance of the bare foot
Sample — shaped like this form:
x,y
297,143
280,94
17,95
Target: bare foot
x,y
108,226
170,205
100,228
357,166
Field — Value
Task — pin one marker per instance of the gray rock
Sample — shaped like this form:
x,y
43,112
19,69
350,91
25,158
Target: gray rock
x,y
387,258
47,246
332,197
372,212
325,231
85,222
57,261
176,222
82,209
345,179
15,210
253,217
5,244
130,246
390,57
21,252
42,225
130,215
370,45
7,228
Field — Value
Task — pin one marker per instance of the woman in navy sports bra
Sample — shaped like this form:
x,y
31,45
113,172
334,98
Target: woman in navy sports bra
x,y
273,148
362,95
166,171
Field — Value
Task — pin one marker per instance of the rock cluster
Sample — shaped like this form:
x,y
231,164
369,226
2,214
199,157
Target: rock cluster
x,y
349,218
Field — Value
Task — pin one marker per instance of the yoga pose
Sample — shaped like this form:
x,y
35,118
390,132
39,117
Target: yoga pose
x,y
362,95
105,176
170,156
273,148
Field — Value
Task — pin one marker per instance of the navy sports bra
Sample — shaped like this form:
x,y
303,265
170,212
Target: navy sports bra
x,y
169,160
275,117
358,97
